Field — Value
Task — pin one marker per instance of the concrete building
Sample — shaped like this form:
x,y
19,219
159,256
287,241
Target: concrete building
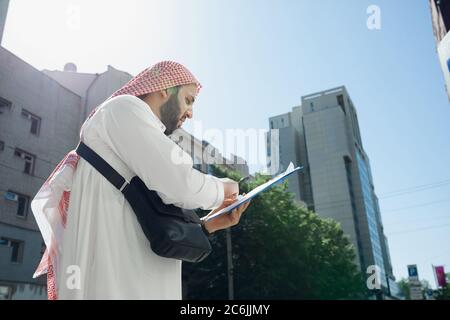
x,y
440,16
40,117
286,135
36,130
92,88
323,136
205,154
3,11
440,19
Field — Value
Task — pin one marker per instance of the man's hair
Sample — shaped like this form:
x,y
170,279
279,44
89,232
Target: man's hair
x,y
171,91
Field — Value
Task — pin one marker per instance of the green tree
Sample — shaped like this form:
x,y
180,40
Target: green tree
x,y
404,288
443,293
280,251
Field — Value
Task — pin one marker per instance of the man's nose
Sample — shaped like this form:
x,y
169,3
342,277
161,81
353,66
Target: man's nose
x,y
189,114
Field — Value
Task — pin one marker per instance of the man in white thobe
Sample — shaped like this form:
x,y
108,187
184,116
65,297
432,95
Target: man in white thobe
x,y
99,251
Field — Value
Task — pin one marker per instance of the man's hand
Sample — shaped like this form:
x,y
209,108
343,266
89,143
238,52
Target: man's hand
x,y
226,220
230,188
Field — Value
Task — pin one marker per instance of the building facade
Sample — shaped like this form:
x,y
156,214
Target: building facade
x,y
323,136
3,11
440,19
40,117
204,154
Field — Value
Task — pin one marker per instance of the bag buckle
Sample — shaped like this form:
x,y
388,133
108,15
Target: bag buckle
x,y
125,183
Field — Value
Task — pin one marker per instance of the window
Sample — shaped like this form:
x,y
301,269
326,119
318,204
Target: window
x,y
35,121
22,206
2,145
312,106
5,105
23,202
5,292
29,160
271,124
17,248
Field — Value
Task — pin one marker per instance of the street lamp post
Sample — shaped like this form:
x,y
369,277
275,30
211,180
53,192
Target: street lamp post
x,y
230,266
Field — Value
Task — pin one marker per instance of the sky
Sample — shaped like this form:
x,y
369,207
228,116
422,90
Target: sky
x,y
255,59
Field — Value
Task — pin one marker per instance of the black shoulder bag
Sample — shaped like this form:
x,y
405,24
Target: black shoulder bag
x,y
173,232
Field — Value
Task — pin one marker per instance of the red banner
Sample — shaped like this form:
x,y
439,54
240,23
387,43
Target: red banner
x,y
440,276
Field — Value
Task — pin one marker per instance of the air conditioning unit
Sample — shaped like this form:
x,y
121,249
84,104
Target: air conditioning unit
x,y
11,196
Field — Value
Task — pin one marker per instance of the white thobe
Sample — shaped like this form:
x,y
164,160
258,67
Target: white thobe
x,y
105,254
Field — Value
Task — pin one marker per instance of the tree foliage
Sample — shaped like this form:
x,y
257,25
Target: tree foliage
x,y
280,251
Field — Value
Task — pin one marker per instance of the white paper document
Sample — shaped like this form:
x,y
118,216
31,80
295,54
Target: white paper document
x,y
243,199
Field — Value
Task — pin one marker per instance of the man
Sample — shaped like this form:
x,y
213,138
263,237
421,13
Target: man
x,y
96,248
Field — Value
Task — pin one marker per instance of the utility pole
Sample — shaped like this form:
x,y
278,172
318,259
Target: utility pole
x,y
230,266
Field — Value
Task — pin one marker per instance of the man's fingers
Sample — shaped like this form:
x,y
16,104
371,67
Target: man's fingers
x,y
230,199
242,208
236,213
234,217
227,202
245,206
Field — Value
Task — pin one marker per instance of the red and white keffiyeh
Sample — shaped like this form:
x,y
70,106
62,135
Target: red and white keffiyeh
x,y
51,203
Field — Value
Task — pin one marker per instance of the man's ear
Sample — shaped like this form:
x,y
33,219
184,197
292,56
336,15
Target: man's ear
x,y
164,94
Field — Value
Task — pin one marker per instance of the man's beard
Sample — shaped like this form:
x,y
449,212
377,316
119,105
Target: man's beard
x,y
170,114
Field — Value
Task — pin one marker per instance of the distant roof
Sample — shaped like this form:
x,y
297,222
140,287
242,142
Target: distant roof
x,y
77,82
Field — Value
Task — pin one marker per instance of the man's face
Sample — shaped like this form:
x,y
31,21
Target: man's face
x,y
178,107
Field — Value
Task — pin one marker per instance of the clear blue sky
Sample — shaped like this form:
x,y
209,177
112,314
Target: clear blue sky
x,y
256,59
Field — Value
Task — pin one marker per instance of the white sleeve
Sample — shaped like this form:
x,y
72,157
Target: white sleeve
x,y
161,164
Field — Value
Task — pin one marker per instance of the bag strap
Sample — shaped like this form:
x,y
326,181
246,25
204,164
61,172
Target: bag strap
x,y
120,183
101,166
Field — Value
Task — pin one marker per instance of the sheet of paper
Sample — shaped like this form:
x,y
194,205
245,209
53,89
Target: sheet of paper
x,y
243,199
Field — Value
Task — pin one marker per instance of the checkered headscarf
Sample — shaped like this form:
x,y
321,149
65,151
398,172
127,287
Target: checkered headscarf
x,y
163,75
